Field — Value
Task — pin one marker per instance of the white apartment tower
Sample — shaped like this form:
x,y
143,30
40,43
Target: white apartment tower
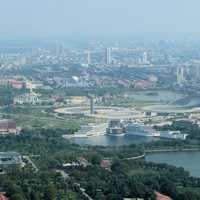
x,y
88,57
108,56
180,75
145,58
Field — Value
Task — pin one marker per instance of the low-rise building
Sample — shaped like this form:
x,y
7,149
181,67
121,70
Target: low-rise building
x,y
29,98
3,197
10,160
106,164
160,196
33,85
16,84
83,162
8,126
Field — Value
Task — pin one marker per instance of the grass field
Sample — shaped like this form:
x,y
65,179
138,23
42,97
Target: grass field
x,y
39,117
123,102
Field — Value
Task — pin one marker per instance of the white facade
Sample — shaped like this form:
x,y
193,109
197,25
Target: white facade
x,y
29,98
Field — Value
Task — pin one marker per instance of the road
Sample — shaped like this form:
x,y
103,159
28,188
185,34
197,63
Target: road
x,y
82,190
85,194
63,174
135,158
31,162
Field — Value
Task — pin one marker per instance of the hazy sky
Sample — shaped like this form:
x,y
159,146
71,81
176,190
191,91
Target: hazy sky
x,y
56,18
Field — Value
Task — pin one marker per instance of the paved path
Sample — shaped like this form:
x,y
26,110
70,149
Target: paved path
x,y
135,158
31,162
63,174
82,190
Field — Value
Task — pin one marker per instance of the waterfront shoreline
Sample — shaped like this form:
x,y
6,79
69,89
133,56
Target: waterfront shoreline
x,y
171,150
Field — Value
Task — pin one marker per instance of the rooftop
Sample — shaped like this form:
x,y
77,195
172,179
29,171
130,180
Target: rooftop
x,y
2,197
162,197
10,158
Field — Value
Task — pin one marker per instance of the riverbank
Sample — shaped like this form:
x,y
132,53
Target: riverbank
x,y
171,150
161,151
189,160
135,158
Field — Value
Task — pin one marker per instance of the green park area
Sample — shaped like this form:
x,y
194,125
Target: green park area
x,y
32,117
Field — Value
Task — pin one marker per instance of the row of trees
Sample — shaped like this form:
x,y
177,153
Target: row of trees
x,y
23,184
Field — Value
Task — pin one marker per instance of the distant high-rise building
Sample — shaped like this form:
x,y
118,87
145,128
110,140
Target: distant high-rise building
x,y
88,57
197,72
180,75
59,49
108,56
145,58
91,105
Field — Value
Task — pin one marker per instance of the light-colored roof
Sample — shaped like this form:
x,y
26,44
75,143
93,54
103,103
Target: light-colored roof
x,y
160,196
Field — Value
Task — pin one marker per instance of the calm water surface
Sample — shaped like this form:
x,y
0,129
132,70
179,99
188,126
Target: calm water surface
x,y
190,161
108,140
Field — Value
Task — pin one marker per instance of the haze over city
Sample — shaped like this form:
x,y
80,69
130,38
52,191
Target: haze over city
x,y
94,18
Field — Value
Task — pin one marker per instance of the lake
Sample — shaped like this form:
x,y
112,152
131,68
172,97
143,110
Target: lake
x,y
108,140
189,160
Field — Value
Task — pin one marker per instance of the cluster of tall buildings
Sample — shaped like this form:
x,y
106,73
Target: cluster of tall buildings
x,y
185,73
108,57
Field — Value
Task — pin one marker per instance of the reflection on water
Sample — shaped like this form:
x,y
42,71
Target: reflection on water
x,y
108,140
190,161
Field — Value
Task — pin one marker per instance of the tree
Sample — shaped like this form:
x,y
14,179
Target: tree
x,y
96,159
17,197
168,187
71,196
50,193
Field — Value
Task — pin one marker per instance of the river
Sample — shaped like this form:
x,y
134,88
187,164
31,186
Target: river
x,y
189,160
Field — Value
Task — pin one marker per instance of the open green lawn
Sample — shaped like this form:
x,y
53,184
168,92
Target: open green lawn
x,y
44,122
38,117
123,102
